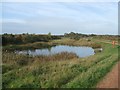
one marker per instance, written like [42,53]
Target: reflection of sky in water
[80,51]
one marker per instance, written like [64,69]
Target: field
[63,70]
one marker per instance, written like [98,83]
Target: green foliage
[31,46]
[26,38]
[49,35]
[75,36]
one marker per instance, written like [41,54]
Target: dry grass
[81,42]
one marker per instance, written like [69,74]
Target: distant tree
[49,35]
[92,35]
[18,39]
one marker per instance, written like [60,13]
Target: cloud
[19,21]
[58,18]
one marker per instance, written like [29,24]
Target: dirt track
[111,79]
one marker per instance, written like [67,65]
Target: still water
[80,51]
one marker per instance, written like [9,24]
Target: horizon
[58,18]
[60,34]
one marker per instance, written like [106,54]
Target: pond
[79,51]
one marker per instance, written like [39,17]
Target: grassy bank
[35,45]
[63,70]
[64,41]
[81,42]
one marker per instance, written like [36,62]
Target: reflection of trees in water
[27,52]
[49,49]
[31,51]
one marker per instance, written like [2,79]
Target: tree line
[27,38]
[30,38]
[75,36]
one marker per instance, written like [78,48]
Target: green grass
[63,70]
[80,42]
[35,45]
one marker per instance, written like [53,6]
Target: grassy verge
[64,41]
[80,42]
[63,70]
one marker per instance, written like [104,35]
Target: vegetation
[78,36]
[80,42]
[63,41]
[62,70]
[31,46]
[26,38]
[75,36]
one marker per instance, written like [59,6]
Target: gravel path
[111,79]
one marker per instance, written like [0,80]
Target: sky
[59,17]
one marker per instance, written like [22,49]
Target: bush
[22,62]
[95,45]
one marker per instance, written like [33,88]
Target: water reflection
[80,51]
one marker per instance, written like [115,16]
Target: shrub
[22,62]
[95,45]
